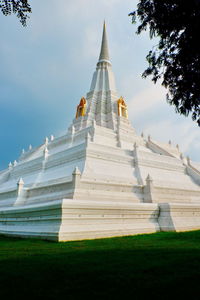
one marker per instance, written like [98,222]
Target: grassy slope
[156,265]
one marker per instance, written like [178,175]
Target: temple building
[100,179]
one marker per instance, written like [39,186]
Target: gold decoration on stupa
[122,108]
[81,108]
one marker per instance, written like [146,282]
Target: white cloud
[146,99]
[151,114]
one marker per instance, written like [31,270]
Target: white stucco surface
[100,178]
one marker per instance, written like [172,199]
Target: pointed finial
[45,152]
[15,163]
[76,171]
[142,134]
[104,54]
[149,138]
[46,140]
[20,186]
[30,147]
[51,137]
[20,181]
[10,165]
[149,178]
[72,129]
[177,146]
[23,151]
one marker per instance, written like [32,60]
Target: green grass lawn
[155,265]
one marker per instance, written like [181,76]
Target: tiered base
[69,220]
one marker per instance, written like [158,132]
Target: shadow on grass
[158,265]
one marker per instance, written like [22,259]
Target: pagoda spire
[104,54]
[103,79]
[102,105]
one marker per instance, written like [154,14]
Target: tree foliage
[176,57]
[19,7]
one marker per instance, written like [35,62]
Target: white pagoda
[100,179]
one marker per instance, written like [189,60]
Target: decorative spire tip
[104,54]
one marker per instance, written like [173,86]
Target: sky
[47,67]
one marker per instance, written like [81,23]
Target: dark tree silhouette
[176,57]
[19,7]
